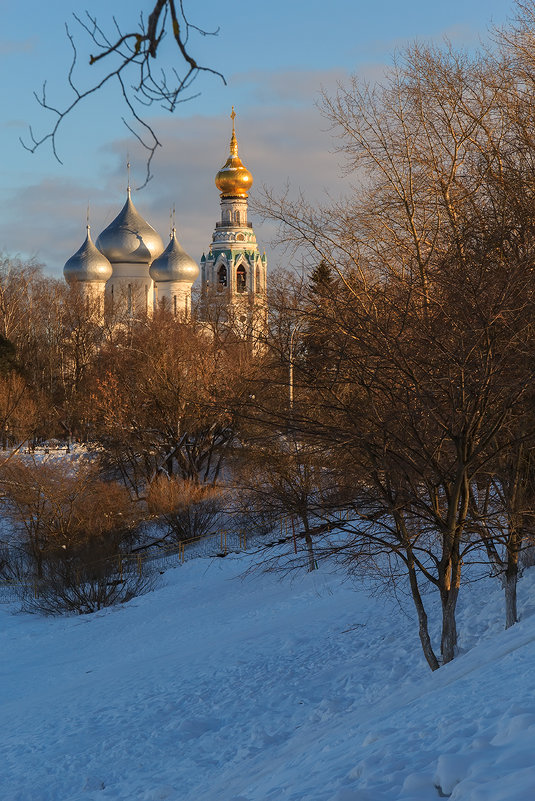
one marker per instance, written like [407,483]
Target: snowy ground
[214,688]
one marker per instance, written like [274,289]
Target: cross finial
[128,173]
[87,218]
[233,140]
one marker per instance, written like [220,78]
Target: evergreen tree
[8,360]
[318,338]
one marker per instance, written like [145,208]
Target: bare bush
[190,510]
[72,529]
[83,588]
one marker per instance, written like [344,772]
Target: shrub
[190,510]
[72,527]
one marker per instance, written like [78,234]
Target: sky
[276,57]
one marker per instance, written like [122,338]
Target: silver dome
[87,264]
[174,264]
[129,238]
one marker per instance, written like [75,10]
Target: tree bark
[423,627]
[448,642]
[510,581]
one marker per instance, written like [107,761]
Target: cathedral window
[241,279]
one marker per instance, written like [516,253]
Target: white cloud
[282,144]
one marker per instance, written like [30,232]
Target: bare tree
[167,398]
[427,382]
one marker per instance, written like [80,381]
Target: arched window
[222,275]
[258,280]
[241,279]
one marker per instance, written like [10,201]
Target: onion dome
[87,264]
[174,264]
[233,179]
[129,238]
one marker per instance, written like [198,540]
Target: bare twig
[127,53]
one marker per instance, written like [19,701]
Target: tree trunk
[310,548]
[448,642]
[510,581]
[39,562]
[423,628]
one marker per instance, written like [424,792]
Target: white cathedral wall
[175,296]
[131,289]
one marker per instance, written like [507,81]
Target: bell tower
[233,275]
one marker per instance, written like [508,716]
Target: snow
[216,687]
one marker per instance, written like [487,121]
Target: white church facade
[128,269]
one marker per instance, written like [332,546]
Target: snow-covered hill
[215,688]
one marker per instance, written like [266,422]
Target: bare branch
[129,54]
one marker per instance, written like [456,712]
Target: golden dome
[233,179]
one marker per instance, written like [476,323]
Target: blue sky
[276,57]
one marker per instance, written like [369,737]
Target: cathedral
[128,269]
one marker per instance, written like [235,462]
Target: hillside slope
[217,688]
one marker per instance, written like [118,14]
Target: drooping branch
[131,58]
